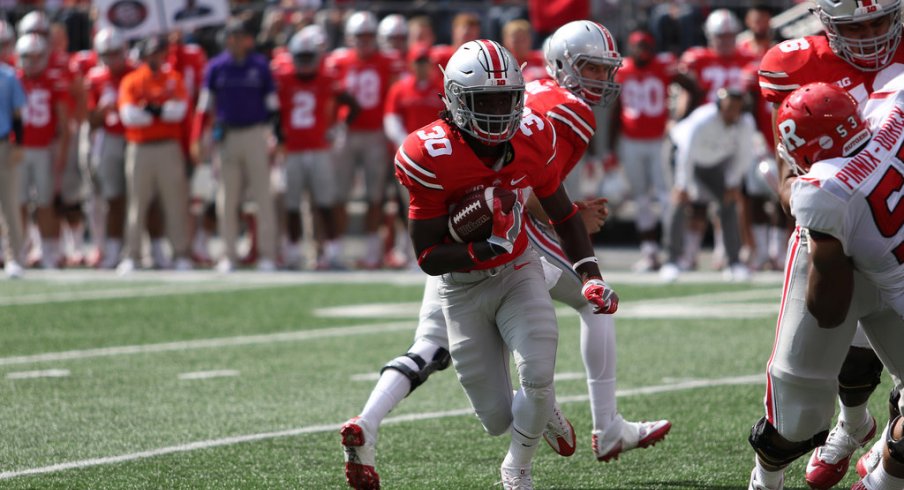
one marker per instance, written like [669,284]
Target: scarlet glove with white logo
[506,226]
[601,296]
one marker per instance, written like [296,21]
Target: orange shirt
[142,87]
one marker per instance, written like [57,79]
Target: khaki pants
[9,202]
[156,169]
[243,162]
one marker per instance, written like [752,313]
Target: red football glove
[506,226]
[601,296]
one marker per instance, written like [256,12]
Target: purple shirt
[240,90]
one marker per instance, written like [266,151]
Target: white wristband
[583,261]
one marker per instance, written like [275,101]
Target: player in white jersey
[834,211]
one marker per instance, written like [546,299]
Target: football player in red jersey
[583,60]
[720,64]
[392,37]
[109,157]
[45,117]
[636,131]
[858,53]
[517,37]
[465,27]
[307,99]
[493,292]
[366,74]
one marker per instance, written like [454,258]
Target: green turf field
[199,382]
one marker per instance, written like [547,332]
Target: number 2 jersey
[438,167]
[859,200]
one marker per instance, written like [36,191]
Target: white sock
[771,479]
[854,418]
[391,388]
[50,252]
[199,244]
[525,440]
[157,254]
[692,241]
[598,353]
[77,232]
[112,247]
[649,248]
[778,238]
[332,249]
[879,479]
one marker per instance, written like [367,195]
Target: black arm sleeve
[18,129]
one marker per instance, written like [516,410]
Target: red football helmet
[816,122]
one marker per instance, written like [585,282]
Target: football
[471,218]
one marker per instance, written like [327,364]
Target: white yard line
[210,343]
[123,293]
[314,429]
[46,373]
[217,373]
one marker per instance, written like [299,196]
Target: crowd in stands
[135,153]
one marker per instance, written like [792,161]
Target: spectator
[240,96]
[420,31]
[152,104]
[757,20]
[548,15]
[12,102]
[465,27]
[711,156]
[637,128]
[367,75]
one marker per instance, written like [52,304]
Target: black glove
[154,109]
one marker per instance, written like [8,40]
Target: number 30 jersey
[860,201]
[438,167]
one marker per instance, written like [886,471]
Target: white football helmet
[108,40]
[392,33]
[360,23]
[571,48]
[869,54]
[34,22]
[721,29]
[307,47]
[484,91]
[31,53]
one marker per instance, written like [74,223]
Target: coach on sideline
[12,100]
[240,95]
[152,105]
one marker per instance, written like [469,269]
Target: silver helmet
[575,45]
[867,54]
[392,32]
[307,47]
[484,91]
[32,53]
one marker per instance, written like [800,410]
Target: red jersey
[39,116]
[644,96]
[797,62]
[368,81]
[713,72]
[572,118]
[534,67]
[439,55]
[438,167]
[82,62]
[189,61]
[417,103]
[281,59]
[103,90]
[306,109]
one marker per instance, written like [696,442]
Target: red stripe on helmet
[494,57]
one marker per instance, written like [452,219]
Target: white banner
[138,19]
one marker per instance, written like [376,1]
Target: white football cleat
[13,270]
[758,485]
[517,478]
[125,267]
[829,463]
[359,443]
[182,265]
[623,436]
[224,266]
[871,459]
[266,265]
[559,433]
[669,272]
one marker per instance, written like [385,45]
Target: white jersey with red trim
[860,201]
[573,119]
[438,167]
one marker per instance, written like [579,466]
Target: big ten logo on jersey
[302,116]
[644,97]
[718,77]
[365,86]
[37,108]
[435,142]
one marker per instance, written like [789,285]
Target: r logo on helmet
[788,131]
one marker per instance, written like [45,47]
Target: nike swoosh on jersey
[519,179]
[518,267]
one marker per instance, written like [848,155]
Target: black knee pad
[894,398]
[860,375]
[441,360]
[895,447]
[775,450]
